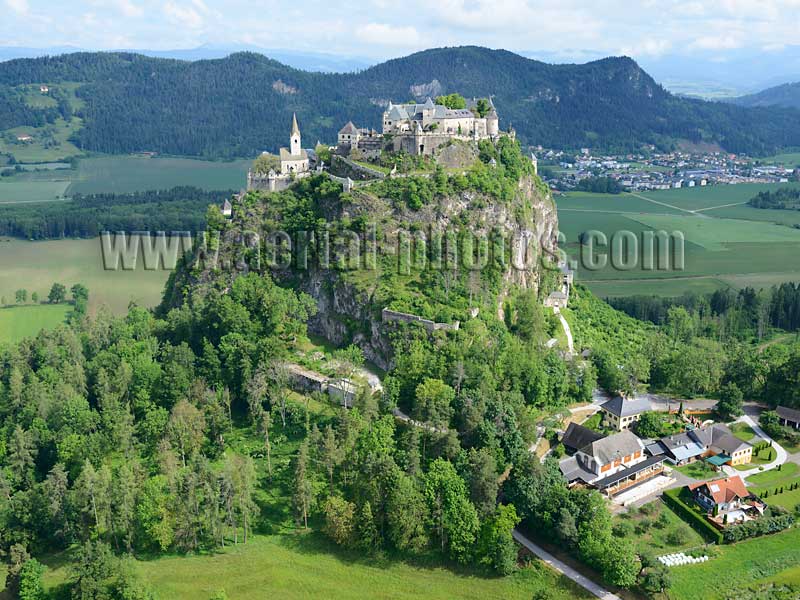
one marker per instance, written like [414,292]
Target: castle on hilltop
[294,164]
[419,129]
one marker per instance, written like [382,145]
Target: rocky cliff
[350,298]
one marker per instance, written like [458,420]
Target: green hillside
[241,105]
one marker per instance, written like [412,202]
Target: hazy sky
[385,28]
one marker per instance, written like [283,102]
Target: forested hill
[242,104]
[787,95]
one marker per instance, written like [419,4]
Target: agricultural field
[124,174]
[727,244]
[35,266]
[771,558]
[18,322]
[121,174]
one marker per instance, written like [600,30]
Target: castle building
[294,163]
[420,129]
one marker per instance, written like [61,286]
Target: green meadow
[18,322]
[302,566]
[35,266]
[727,244]
[738,567]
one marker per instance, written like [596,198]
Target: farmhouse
[620,413]
[788,417]
[612,464]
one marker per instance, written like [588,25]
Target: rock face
[349,307]
[350,302]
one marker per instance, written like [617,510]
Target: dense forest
[179,209]
[782,198]
[241,105]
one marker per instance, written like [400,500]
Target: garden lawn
[699,469]
[743,431]
[774,477]
[656,527]
[736,565]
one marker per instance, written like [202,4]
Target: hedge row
[697,521]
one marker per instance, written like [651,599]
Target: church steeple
[295,146]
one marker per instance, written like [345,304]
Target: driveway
[781,456]
[564,568]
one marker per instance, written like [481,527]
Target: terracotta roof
[724,490]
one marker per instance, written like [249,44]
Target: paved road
[565,569]
[781,456]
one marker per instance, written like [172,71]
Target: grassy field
[35,266]
[738,565]
[299,567]
[727,244]
[18,322]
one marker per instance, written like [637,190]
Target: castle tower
[294,146]
[492,122]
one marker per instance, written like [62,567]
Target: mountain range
[242,104]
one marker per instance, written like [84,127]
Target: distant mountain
[786,95]
[242,104]
[308,61]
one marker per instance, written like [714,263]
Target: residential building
[620,413]
[727,501]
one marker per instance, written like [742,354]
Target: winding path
[567,330]
[564,568]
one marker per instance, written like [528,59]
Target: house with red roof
[727,501]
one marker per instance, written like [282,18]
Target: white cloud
[129,8]
[19,7]
[184,15]
[388,35]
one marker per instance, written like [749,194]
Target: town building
[620,413]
